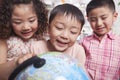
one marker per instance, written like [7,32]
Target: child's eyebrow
[19,18]
[59,22]
[33,17]
[75,27]
[98,16]
[16,19]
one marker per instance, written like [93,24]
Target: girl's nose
[26,26]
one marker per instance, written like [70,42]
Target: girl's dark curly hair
[6,9]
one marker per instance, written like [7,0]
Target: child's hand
[25,57]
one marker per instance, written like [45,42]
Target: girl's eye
[32,20]
[17,22]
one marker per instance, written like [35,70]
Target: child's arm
[3,51]
[5,67]
[24,57]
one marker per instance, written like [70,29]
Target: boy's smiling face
[64,30]
[101,20]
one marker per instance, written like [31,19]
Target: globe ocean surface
[57,67]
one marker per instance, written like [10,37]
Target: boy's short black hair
[100,3]
[67,9]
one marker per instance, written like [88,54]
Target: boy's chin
[60,49]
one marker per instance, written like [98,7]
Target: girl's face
[101,20]
[24,21]
[63,31]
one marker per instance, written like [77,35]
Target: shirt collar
[109,35]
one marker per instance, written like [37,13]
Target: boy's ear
[80,33]
[115,15]
[48,29]
[87,18]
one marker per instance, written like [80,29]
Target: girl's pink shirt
[17,47]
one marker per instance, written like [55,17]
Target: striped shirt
[103,56]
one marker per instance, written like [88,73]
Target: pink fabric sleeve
[39,47]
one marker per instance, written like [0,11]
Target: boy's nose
[99,22]
[65,34]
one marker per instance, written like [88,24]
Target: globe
[55,66]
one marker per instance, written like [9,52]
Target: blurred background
[81,4]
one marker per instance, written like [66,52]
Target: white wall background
[116,26]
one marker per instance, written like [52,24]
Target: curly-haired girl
[21,22]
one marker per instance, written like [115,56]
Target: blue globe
[57,66]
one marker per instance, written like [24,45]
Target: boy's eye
[74,32]
[92,19]
[59,28]
[103,18]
